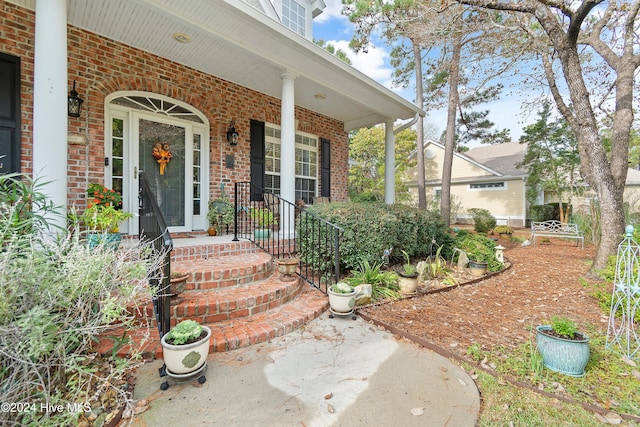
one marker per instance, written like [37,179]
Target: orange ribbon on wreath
[162,155]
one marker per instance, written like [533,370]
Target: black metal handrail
[153,230]
[293,229]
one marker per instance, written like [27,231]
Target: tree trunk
[595,168]
[422,198]
[450,137]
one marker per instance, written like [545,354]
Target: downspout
[390,159]
[406,125]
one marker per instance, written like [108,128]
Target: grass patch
[504,404]
[609,383]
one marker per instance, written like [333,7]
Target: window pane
[117,149]
[116,128]
[117,167]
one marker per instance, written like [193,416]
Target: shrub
[502,229]
[57,295]
[479,248]
[23,209]
[369,229]
[482,219]
[541,213]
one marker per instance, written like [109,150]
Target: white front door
[170,146]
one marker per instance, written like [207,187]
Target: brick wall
[102,66]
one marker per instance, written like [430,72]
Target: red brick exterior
[101,66]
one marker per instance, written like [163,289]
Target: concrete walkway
[332,372]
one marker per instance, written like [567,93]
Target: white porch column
[389,163]
[288,149]
[288,138]
[50,102]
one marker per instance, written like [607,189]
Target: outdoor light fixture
[232,135]
[74,102]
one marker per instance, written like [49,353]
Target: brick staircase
[236,290]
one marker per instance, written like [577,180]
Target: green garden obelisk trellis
[622,335]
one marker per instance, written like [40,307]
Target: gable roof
[500,157]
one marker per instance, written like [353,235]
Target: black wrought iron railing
[153,230]
[284,229]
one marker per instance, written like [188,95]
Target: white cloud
[333,10]
[371,63]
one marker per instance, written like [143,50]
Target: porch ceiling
[232,40]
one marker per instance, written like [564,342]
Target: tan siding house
[484,177]
[487,177]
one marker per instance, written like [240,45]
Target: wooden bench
[554,228]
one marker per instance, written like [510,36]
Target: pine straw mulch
[543,281]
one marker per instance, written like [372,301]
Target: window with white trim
[294,16]
[488,186]
[306,166]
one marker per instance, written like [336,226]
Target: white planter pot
[183,359]
[342,303]
[408,284]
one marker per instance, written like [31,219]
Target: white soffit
[232,40]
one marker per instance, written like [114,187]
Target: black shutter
[325,170]
[9,114]
[257,159]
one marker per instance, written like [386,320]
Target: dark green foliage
[547,212]
[541,213]
[370,228]
[482,219]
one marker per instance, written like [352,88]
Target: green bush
[483,220]
[369,229]
[479,248]
[541,213]
[57,296]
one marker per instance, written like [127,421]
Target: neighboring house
[487,177]
[484,177]
[179,76]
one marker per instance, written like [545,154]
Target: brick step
[236,333]
[222,304]
[212,250]
[225,271]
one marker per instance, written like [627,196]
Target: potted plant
[185,347]
[178,282]
[481,253]
[221,212]
[408,276]
[288,267]
[342,298]
[102,223]
[562,347]
[263,219]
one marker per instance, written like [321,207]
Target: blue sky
[334,28]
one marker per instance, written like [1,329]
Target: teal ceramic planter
[110,240]
[261,233]
[568,357]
